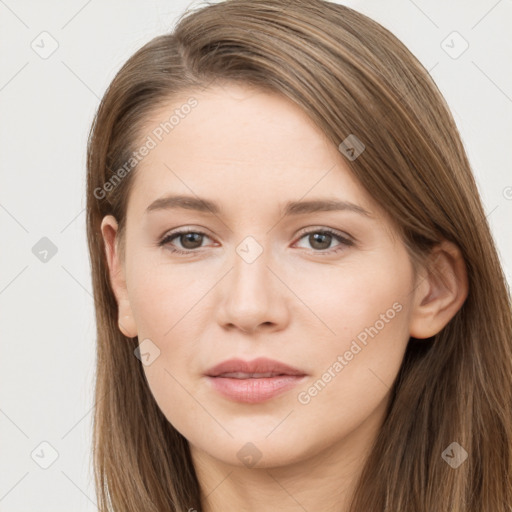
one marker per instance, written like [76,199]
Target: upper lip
[256,366]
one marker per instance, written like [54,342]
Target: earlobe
[441,291]
[126,321]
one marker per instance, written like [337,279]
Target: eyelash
[171,236]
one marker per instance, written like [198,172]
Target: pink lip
[253,389]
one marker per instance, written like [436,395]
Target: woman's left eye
[320,239]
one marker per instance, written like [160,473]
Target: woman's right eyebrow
[290,208]
[186,202]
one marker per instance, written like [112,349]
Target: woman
[299,302]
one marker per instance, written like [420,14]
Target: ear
[126,321]
[440,291]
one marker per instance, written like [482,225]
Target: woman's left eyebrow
[289,208]
[322,205]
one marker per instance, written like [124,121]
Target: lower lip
[254,390]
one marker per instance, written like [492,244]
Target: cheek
[164,297]
[347,299]
[169,308]
[357,359]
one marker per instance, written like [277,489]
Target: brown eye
[188,240]
[320,241]
[191,240]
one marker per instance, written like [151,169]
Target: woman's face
[269,272]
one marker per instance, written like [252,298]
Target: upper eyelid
[183,231]
[332,231]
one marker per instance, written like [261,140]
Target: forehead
[238,121]
[240,142]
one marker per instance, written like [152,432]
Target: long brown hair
[350,76]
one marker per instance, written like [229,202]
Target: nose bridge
[252,258]
[252,296]
[250,276]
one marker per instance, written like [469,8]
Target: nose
[253,296]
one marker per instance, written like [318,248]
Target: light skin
[299,301]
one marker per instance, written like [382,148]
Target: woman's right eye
[188,240]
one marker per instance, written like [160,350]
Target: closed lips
[253,382]
[243,375]
[259,368]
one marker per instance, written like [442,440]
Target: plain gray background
[47,103]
